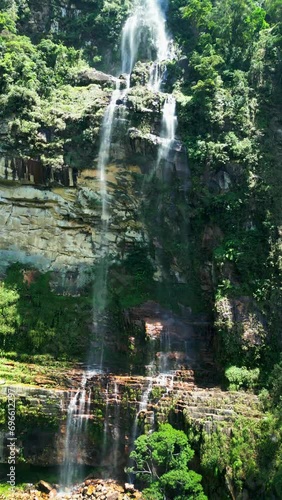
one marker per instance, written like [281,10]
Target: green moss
[30,416]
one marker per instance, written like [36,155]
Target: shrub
[241,377]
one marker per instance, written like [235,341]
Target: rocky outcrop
[59,229]
[44,230]
[42,424]
[242,321]
[35,173]
[91,489]
[91,75]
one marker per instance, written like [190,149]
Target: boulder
[129,487]
[44,487]
[91,75]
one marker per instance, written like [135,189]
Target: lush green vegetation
[160,462]
[34,320]
[229,93]
[248,457]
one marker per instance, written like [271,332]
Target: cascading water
[142,407]
[116,428]
[104,152]
[130,41]
[111,429]
[145,30]
[106,425]
[147,26]
[77,419]
[78,410]
[166,375]
[165,351]
[148,22]
[100,286]
[143,404]
[169,123]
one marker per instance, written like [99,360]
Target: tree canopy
[161,462]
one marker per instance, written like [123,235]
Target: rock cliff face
[52,213]
[116,403]
[79,24]
[58,229]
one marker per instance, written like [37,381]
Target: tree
[9,317]
[276,386]
[160,461]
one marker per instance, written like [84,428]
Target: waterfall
[141,407]
[104,151]
[169,122]
[116,428]
[106,425]
[148,21]
[165,350]
[100,285]
[78,410]
[130,41]
[146,26]
[144,30]
[166,380]
[77,419]
[111,427]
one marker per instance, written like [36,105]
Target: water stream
[77,419]
[169,123]
[144,34]
[100,284]
[142,407]
[116,429]
[105,426]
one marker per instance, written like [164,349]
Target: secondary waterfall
[169,122]
[78,409]
[142,407]
[100,285]
[104,150]
[116,429]
[77,418]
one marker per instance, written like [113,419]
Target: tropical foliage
[161,461]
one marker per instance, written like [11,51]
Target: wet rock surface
[91,489]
